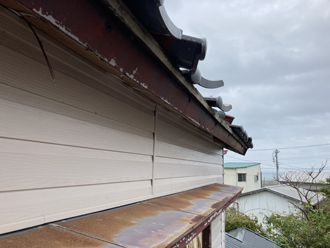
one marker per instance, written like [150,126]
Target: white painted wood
[20,209]
[22,122]
[168,168]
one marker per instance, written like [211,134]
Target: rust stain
[188,203]
[138,225]
[51,237]
[216,192]
[222,203]
[160,222]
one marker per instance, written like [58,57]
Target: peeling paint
[144,85]
[166,101]
[112,62]
[59,25]
[130,76]
[197,123]
[135,70]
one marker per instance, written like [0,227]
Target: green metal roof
[240,165]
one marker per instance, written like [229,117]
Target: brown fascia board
[110,37]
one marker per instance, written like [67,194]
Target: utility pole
[276,157]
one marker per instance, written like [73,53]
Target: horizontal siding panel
[168,168]
[173,142]
[22,122]
[171,150]
[21,209]
[174,185]
[35,78]
[67,62]
[31,171]
[25,98]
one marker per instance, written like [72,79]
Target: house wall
[264,203]
[86,142]
[231,177]
[309,186]
[252,184]
[218,233]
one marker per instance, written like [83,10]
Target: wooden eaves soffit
[137,42]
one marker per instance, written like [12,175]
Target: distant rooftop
[289,192]
[240,165]
[244,238]
[304,177]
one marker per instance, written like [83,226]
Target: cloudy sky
[274,57]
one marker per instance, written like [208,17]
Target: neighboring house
[246,175]
[273,199]
[245,238]
[305,180]
[104,141]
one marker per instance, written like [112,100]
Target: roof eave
[144,66]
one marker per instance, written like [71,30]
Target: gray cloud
[274,57]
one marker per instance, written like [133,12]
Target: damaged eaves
[243,135]
[185,51]
[90,23]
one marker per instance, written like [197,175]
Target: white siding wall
[218,232]
[251,172]
[231,177]
[264,203]
[86,141]
[184,157]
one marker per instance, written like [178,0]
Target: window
[241,177]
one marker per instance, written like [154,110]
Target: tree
[325,204]
[235,219]
[310,227]
[295,230]
[306,195]
[326,188]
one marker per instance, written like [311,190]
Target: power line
[314,158]
[292,147]
[305,157]
[298,169]
[273,166]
